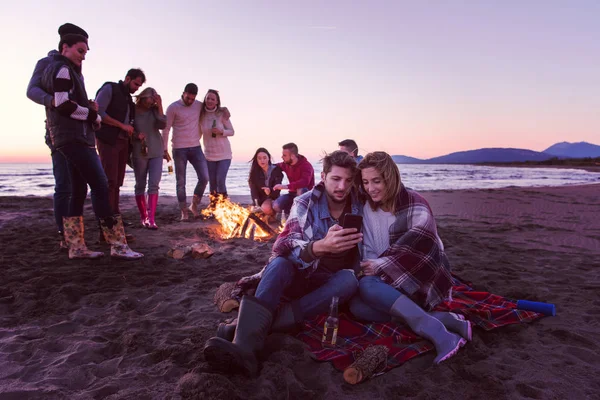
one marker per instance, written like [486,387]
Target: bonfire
[238,221]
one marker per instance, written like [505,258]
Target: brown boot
[194,207]
[185,216]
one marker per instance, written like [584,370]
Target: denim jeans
[195,156]
[217,173]
[62,187]
[285,201]
[85,169]
[147,169]
[374,300]
[310,296]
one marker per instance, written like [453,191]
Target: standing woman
[71,124]
[263,176]
[148,152]
[216,128]
[404,262]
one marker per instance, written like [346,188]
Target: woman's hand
[216,131]
[279,186]
[93,105]
[166,156]
[369,267]
[141,136]
[157,100]
[266,190]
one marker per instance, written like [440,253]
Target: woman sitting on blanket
[404,256]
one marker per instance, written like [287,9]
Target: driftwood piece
[179,251]
[201,250]
[371,361]
[223,299]
[197,250]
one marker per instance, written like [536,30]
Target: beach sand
[108,329]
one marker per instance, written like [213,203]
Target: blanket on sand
[485,310]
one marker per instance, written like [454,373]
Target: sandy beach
[109,329]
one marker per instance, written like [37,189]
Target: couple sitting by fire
[265,179]
[404,272]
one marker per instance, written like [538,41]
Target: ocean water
[37,179]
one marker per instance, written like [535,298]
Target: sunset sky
[419,78]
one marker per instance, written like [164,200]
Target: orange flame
[234,219]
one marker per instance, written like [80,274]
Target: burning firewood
[237,221]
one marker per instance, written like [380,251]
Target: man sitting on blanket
[312,260]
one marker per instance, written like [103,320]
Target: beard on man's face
[335,199]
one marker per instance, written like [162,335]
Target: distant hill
[574,150]
[479,156]
[407,160]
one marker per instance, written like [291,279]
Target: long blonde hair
[385,165]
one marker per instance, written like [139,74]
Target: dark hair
[385,165]
[291,147]
[216,93]
[70,40]
[351,144]
[338,158]
[135,73]
[254,166]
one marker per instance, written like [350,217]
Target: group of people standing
[123,132]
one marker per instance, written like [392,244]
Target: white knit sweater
[185,123]
[216,148]
[376,231]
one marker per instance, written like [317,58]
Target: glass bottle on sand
[332,323]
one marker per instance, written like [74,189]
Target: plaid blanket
[416,262]
[485,310]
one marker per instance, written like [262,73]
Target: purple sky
[419,78]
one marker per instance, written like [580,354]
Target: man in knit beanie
[60,168]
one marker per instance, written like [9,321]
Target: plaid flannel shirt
[309,220]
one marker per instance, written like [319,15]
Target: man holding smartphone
[312,261]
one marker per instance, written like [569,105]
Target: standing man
[311,262]
[350,147]
[60,166]
[300,174]
[184,117]
[118,112]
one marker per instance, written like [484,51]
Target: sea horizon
[27,179]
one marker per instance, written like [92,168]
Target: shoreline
[115,329]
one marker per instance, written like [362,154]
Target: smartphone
[352,221]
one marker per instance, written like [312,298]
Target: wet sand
[109,329]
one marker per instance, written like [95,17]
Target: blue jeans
[85,169]
[217,173]
[311,296]
[374,300]
[62,187]
[195,156]
[285,201]
[149,169]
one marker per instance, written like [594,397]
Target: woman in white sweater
[215,129]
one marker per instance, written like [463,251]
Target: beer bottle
[214,125]
[144,148]
[332,323]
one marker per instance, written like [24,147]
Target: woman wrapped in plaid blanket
[404,256]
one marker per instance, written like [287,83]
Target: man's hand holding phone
[337,241]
